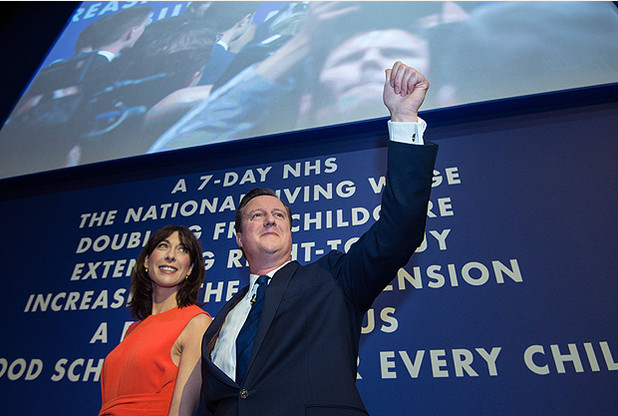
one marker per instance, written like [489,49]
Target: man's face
[354,71]
[266,233]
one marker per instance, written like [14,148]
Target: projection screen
[129,78]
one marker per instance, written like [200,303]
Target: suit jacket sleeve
[372,262]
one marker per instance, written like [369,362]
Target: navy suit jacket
[304,360]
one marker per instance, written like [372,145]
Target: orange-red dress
[138,376]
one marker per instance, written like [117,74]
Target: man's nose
[269,220]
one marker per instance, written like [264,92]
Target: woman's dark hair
[166,58]
[174,45]
[141,285]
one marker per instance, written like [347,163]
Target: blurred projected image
[130,78]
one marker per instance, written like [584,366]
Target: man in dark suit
[304,355]
[56,106]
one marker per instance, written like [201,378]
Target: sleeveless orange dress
[138,376]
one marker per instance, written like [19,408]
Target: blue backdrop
[508,307]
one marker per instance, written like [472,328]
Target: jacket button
[244,394]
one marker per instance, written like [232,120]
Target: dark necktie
[246,336]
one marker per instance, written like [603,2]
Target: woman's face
[169,263]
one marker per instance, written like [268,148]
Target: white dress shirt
[224,352]
[411,133]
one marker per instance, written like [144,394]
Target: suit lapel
[272,299]
[212,333]
[210,336]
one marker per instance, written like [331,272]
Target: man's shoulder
[325,262]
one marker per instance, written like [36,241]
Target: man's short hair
[255,192]
[113,27]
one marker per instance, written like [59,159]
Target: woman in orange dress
[156,370]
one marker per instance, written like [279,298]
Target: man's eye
[256,215]
[279,215]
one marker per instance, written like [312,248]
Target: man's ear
[239,239]
[128,35]
[132,33]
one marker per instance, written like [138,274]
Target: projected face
[354,71]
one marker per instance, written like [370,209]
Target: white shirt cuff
[409,133]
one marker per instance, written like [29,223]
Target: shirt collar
[224,45]
[109,55]
[253,277]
